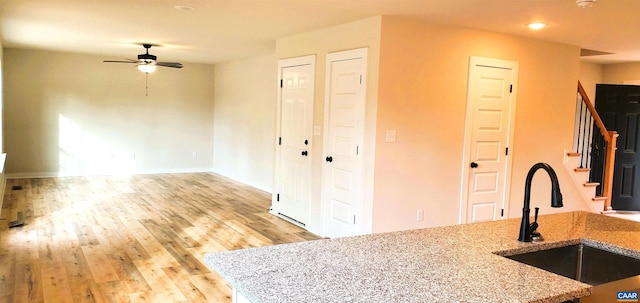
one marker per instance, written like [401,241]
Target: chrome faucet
[528,230]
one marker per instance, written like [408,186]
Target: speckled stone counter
[461,263]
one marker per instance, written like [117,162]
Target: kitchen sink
[582,262]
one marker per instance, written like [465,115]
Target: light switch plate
[390,136]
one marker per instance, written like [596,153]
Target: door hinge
[277,197]
[354,219]
[357,150]
[279,140]
[511,88]
[502,213]
[280,82]
[360,79]
[506,152]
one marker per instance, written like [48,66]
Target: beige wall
[244,120]
[1,101]
[71,114]
[590,75]
[422,95]
[359,34]
[622,73]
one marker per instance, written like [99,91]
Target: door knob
[474,164]
[329,159]
[304,153]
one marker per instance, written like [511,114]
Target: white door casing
[292,195]
[489,127]
[343,141]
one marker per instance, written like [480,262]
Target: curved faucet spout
[556,198]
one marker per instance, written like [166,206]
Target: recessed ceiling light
[536,26]
[184,8]
[585,3]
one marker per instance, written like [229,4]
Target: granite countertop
[460,263]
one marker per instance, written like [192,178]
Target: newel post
[607,185]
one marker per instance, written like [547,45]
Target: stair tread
[582,169]
[573,154]
[591,184]
[599,198]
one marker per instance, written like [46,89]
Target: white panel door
[490,107]
[293,175]
[344,125]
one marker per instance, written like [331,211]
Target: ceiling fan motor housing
[147,57]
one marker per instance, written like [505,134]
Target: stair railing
[588,145]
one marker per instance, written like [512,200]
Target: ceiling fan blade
[121,61]
[170,64]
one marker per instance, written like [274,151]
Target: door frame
[284,63]
[360,221]
[466,155]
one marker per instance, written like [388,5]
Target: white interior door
[293,163]
[489,129]
[344,127]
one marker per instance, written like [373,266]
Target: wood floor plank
[28,282]
[99,264]
[81,280]
[162,288]
[113,291]
[29,249]
[182,282]
[128,273]
[85,234]
[55,285]
[7,271]
[131,238]
[171,243]
[212,286]
[153,248]
[86,291]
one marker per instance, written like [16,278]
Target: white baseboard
[138,172]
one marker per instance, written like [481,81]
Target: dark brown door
[619,107]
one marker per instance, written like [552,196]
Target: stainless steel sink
[582,262]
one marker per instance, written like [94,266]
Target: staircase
[580,175]
[592,140]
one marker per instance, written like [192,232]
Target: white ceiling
[223,30]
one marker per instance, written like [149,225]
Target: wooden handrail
[594,113]
[611,138]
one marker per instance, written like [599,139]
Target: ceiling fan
[146,62]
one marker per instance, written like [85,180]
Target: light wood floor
[129,239]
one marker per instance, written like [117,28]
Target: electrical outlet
[420,215]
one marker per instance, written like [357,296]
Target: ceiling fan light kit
[585,3]
[150,67]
